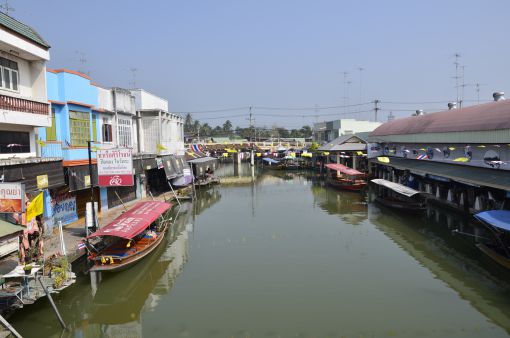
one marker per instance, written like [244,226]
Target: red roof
[134,221]
[488,116]
[343,169]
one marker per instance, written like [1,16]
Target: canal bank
[287,256]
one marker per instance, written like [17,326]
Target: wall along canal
[288,257]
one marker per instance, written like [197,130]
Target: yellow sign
[86,180]
[326,153]
[461,159]
[383,159]
[225,154]
[258,154]
[359,153]
[35,207]
[42,181]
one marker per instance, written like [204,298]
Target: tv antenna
[132,83]
[6,8]
[360,69]
[83,61]
[457,77]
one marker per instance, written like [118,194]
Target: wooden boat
[498,224]
[400,197]
[349,179]
[130,237]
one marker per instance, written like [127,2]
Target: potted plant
[28,269]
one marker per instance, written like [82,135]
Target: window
[79,123]
[8,74]
[124,131]
[107,130]
[14,142]
[51,131]
[94,128]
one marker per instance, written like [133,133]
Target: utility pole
[346,74]
[94,227]
[361,69]
[376,108]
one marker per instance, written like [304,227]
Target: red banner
[115,167]
[116,180]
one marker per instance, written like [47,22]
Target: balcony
[52,149]
[23,105]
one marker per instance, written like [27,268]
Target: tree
[196,126]
[227,127]
[306,131]
[188,123]
[205,130]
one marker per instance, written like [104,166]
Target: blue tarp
[270,160]
[497,218]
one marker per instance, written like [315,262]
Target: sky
[217,58]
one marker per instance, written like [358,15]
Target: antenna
[457,77]
[345,98]
[6,8]
[83,61]
[132,83]
[252,122]
[360,69]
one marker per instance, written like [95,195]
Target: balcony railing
[52,149]
[23,105]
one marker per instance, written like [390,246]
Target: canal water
[282,255]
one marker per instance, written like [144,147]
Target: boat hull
[347,186]
[401,205]
[494,255]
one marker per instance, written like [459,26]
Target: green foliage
[59,272]
[314,146]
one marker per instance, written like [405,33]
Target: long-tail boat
[400,197]
[130,237]
[498,223]
[342,177]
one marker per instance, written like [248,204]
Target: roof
[498,179]
[345,143]
[396,187]
[270,160]
[22,29]
[483,117]
[203,160]
[7,228]
[343,169]
[134,221]
[497,218]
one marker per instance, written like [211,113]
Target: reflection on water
[288,257]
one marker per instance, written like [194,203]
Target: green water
[287,257]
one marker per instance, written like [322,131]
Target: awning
[8,229]
[76,176]
[497,218]
[343,169]
[345,147]
[134,221]
[495,178]
[27,173]
[168,165]
[398,188]
[270,160]
[201,164]
[178,164]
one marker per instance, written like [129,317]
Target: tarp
[134,221]
[270,160]
[399,188]
[497,218]
[343,169]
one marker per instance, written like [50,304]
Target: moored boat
[498,223]
[345,178]
[130,237]
[400,197]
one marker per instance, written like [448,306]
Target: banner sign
[115,167]
[42,181]
[64,208]
[12,197]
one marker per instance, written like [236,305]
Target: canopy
[270,160]
[399,188]
[133,221]
[497,218]
[343,169]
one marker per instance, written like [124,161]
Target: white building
[23,98]
[159,131]
[324,132]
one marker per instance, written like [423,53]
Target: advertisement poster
[115,167]
[64,208]
[12,197]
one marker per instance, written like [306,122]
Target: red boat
[130,237]
[345,178]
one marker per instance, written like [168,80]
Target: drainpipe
[160,126]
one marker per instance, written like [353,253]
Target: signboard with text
[64,208]
[115,167]
[12,197]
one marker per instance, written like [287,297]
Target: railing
[23,105]
[52,149]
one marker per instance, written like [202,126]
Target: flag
[383,159]
[481,146]
[451,148]
[80,246]
[461,159]
[160,147]
[359,153]
[35,207]
[41,143]
[421,157]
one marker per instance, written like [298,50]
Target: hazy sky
[217,54]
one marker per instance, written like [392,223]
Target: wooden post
[52,304]
[9,327]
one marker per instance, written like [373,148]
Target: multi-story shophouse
[324,132]
[461,157]
[24,108]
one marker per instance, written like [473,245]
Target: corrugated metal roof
[473,175]
[345,143]
[7,228]
[483,117]
[22,29]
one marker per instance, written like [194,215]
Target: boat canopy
[343,169]
[399,188]
[497,218]
[270,160]
[133,221]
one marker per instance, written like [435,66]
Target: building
[349,150]
[24,108]
[460,156]
[324,132]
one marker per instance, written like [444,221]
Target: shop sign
[42,181]
[12,197]
[86,180]
[64,208]
[115,167]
